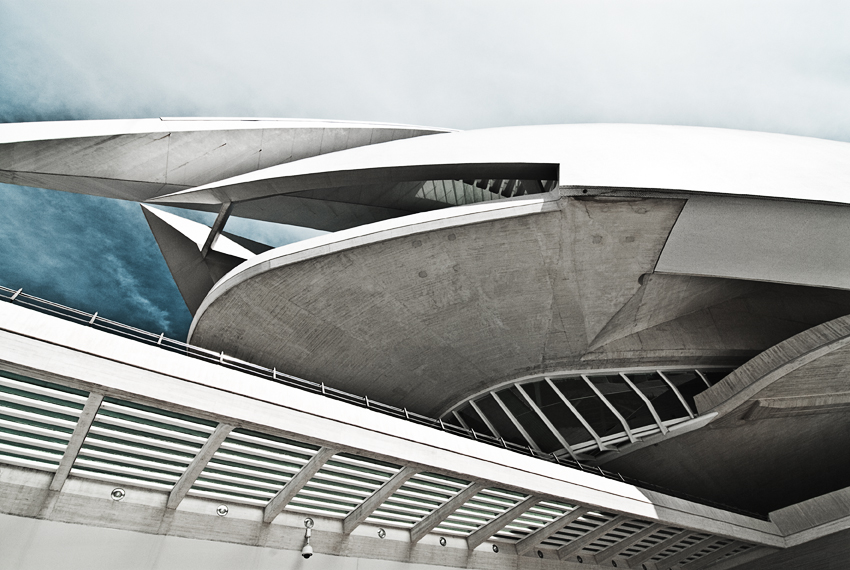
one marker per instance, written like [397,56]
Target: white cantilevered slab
[601,156]
[528,542]
[87,358]
[433,519]
[78,436]
[373,501]
[480,535]
[297,483]
[196,467]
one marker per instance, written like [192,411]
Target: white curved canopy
[652,157]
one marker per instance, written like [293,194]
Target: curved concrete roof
[141,159]
[654,157]
[426,310]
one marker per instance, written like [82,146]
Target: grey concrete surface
[764,240]
[439,307]
[783,416]
[421,321]
[138,160]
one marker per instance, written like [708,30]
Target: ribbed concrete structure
[668,303]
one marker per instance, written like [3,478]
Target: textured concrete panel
[764,240]
[423,320]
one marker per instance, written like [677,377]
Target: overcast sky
[771,66]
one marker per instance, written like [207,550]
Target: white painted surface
[693,159]
[50,130]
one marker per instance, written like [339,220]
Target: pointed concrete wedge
[180,241]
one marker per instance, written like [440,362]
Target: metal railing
[126,331]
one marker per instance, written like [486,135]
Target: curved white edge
[372,233]
[655,157]
[50,130]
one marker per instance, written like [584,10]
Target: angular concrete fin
[663,298]
[180,241]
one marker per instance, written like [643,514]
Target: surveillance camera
[307,551]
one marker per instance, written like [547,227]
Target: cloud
[765,65]
[89,253]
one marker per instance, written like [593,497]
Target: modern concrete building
[571,346]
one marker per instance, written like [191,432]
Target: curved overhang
[141,159]
[425,311]
[586,156]
[62,130]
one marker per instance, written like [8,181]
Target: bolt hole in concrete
[423,274]
[452,237]
[579,559]
[417,243]
[117,494]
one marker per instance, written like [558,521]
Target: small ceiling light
[382,533]
[442,541]
[221,510]
[495,548]
[117,494]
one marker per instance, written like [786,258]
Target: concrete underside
[82,528]
[779,440]
[428,319]
[827,553]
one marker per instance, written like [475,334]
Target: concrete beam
[78,436]
[441,513]
[479,536]
[371,504]
[588,537]
[640,557]
[217,227]
[713,557]
[674,559]
[182,486]
[606,554]
[530,541]
[298,481]
[744,558]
